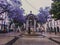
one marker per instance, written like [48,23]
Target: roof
[31,16]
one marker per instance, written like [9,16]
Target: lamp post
[49,23]
[8,26]
[55,25]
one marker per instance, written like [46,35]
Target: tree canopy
[43,15]
[12,7]
[55,9]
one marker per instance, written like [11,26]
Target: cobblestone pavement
[34,40]
[4,40]
[7,37]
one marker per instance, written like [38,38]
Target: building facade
[31,22]
[4,21]
[53,25]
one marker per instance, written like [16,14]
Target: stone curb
[50,38]
[54,40]
[12,41]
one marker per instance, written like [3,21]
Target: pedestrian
[29,31]
[42,30]
[37,30]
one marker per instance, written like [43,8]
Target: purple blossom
[43,15]
[13,9]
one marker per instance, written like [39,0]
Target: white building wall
[6,19]
[51,24]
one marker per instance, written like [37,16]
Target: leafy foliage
[43,15]
[12,7]
[55,10]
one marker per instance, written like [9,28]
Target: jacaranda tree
[14,12]
[43,15]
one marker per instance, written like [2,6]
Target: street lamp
[55,25]
[8,23]
[49,24]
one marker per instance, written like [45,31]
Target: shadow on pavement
[12,41]
[55,40]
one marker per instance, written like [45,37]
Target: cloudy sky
[34,5]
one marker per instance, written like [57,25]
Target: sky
[34,5]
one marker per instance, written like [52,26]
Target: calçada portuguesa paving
[38,39]
[7,37]
[34,40]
